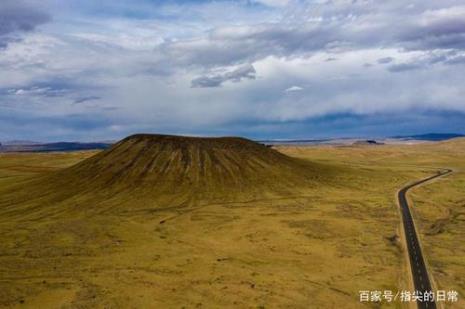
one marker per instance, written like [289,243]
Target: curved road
[419,272]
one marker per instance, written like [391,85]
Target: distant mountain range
[31,146]
[430,136]
[292,141]
[20,146]
[350,140]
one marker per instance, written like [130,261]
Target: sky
[90,70]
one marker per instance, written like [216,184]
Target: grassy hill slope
[203,164]
[150,172]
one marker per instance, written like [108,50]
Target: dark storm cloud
[353,125]
[433,58]
[385,60]
[243,72]
[401,67]
[86,99]
[16,124]
[442,31]
[19,16]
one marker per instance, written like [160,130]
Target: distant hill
[368,142]
[159,171]
[49,147]
[175,161]
[292,141]
[430,136]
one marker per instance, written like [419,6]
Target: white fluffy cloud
[294,89]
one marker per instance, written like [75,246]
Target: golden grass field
[307,246]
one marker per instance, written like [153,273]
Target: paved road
[420,274]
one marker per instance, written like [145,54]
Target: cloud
[232,45]
[456,60]
[437,28]
[138,65]
[385,60]
[84,127]
[294,89]
[401,67]
[274,3]
[341,25]
[38,91]
[19,16]
[86,99]
[429,59]
[243,72]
